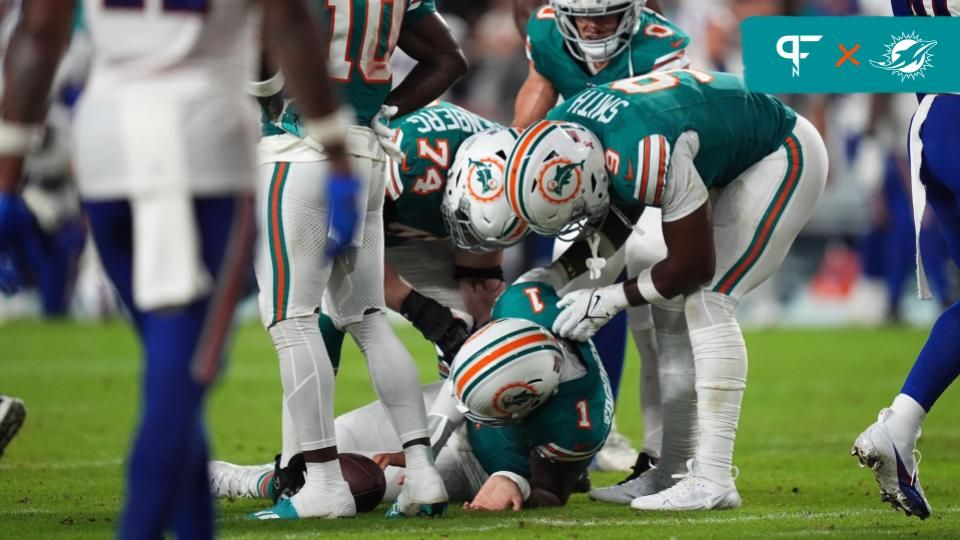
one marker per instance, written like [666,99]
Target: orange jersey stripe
[281,271]
[767,226]
[661,173]
[646,171]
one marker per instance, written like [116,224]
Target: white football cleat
[892,461]
[651,481]
[692,492]
[616,454]
[422,494]
[240,482]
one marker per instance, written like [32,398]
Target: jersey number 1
[190,6]
[583,415]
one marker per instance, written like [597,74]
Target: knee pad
[705,308]
[369,328]
[293,331]
[670,317]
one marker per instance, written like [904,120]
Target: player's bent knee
[368,328]
[294,331]
[705,308]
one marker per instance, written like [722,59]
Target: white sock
[677,389]
[645,340]
[418,455]
[322,478]
[907,417]
[394,375]
[721,365]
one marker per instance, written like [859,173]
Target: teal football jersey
[429,139]
[572,425]
[639,120]
[363,35]
[657,44]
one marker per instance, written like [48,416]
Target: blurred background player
[573,45]
[888,446]
[50,255]
[172,218]
[758,151]
[293,273]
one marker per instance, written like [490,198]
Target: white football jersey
[165,102]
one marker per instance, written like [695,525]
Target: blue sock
[159,470]
[938,364]
[194,514]
[611,344]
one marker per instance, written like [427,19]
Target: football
[366,480]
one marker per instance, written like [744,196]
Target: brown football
[366,480]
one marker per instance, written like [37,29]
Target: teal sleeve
[417,11]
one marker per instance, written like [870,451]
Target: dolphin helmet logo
[907,56]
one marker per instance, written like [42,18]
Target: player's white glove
[583,312]
[381,126]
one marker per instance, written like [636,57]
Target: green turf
[809,394]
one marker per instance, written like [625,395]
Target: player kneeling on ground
[520,418]
[736,174]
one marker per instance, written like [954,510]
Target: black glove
[436,323]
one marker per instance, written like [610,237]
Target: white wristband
[19,139]
[266,88]
[330,129]
[520,481]
[647,289]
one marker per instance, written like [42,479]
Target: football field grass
[809,394]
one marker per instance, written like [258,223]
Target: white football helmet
[475,206]
[557,181]
[505,370]
[606,48]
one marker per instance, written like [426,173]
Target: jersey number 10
[373,67]
[190,6]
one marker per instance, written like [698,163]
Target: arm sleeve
[684,190]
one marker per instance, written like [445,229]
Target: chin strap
[595,263]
